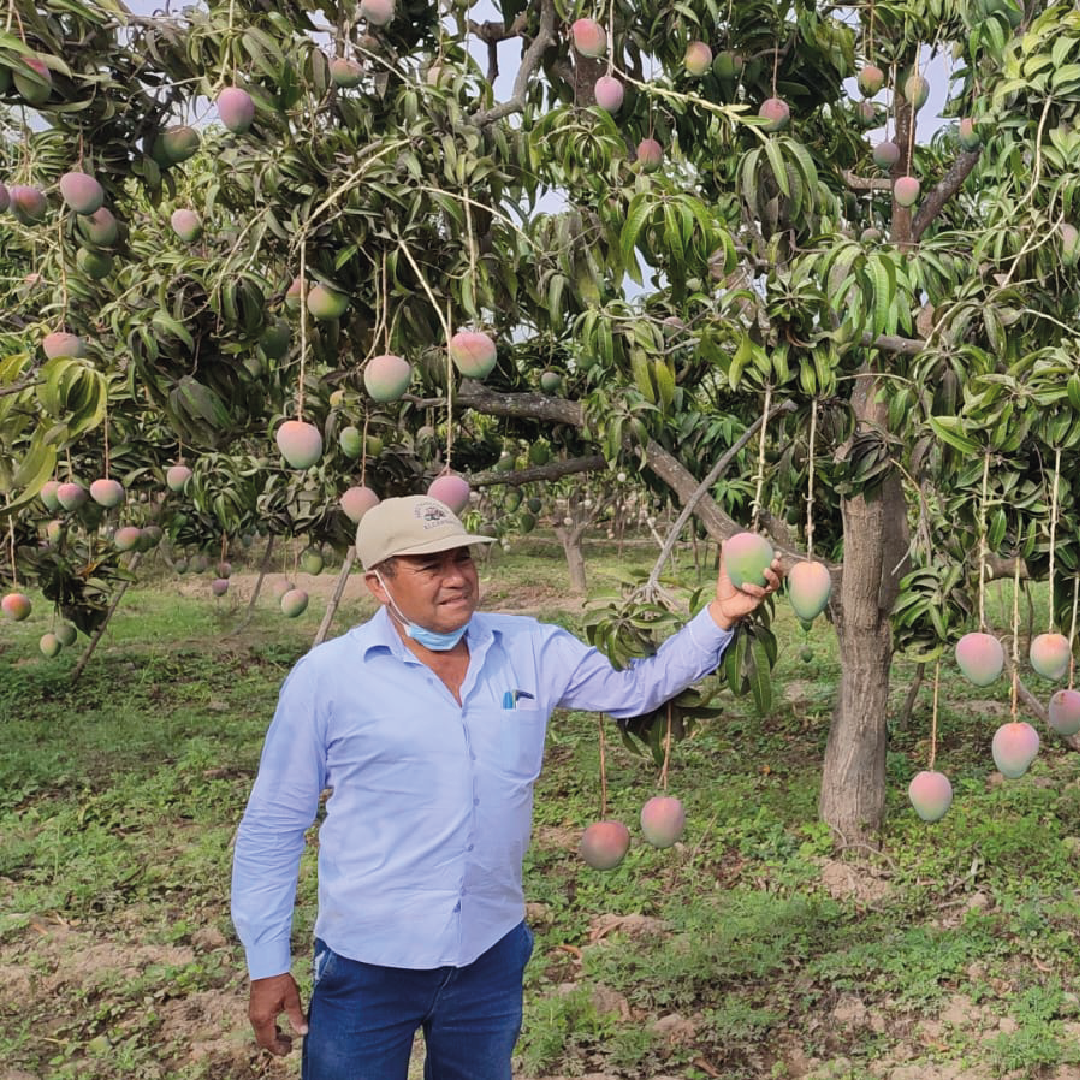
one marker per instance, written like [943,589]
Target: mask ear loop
[393,603]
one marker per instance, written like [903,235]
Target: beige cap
[413,525]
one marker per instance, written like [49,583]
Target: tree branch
[866,183]
[530,61]
[552,471]
[891,343]
[19,387]
[943,191]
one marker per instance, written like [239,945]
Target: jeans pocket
[530,942]
[322,962]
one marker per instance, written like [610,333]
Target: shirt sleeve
[270,840]
[595,685]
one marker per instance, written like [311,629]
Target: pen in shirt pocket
[512,697]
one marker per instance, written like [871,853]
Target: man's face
[438,592]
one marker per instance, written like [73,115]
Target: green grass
[119,798]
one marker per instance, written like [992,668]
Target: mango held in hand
[809,585]
[1050,655]
[980,658]
[662,820]
[1064,712]
[747,556]
[604,844]
[931,794]
[1014,748]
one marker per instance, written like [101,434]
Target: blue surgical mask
[429,639]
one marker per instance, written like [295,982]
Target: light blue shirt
[420,854]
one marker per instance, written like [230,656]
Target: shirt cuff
[269,958]
[706,635]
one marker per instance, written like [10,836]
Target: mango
[662,820]
[186,224]
[473,353]
[81,192]
[28,204]
[589,37]
[48,495]
[550,382]
[326,303]
[350,441]
[386,378]
[1050,655]
[311,561]
[199,564]
[746,557]
[698,58]
[608,92]
[980,658]
[177,144]
[100,228]
[969,134]
[809,586]
[917,91]
[871,80]
[604,844]
[49,645]
[72,495]
[357,501]
[345,73]
[224,569]
[128,538]
[177,476]
[451,489]
[294,603]
[885,154]
[377,12]
[931,794]
[180,565]
[66,633]
[275,339]
[107,493]
[96,265]
[236,108]
[906,191]
[219,586]
[34,83]
[776,112]
[62,344]
[15,606]
[292,293]
[300,443]
[650,154]
[1064,712]
[1014,747]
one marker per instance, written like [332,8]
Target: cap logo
[432,515]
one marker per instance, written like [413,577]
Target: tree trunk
[570,538]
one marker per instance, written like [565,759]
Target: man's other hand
[267,1000]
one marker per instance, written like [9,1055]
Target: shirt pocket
[520,746]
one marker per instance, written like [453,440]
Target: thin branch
[943,191]
[335,600]
[552,471]
[19,387]
[866,183]
[530,62]
[891,343]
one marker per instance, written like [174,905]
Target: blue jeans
[362,1017]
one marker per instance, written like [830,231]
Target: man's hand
[732,604]
[267,999]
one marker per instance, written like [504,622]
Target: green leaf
[950,429]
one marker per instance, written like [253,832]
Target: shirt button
[476,802]
[470,847]
[457,906]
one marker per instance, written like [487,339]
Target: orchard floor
[753,950]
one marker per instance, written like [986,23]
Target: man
[428,723]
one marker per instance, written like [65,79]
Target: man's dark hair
[386,568]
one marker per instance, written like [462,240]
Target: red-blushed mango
[275,339]
[662,820]
[1070,245]
[916,90]
[152,534]
[66,633]
[351,441]
[224,569]
[326,303]
[48,494]
[809,585]
[53,531]
[1063,715]
[357,501]
[776,112]
[377,12]
[107,493]
[980,658]
[746,557]
[608,92]
[186,224]
[236,108]
[199,564]
[28,204]
[698,58]
[871,80]
[59,343]
[100,227]
[1050,655]
[81,192]
[311,561]
[219,586]
[294,603]
[180,565]
[386,377]
[474,354]
[590,38]
[969,134]
[300,443]
[72,495]
[604,844]
[15,606]
[550,382]
[931,794]
[49,645]
[176,477]
[293,292]
[885,154]
[345,73]
[870,235]
[906,190]
[128,538]
[34,82]
[94,264]
[1014,747]
[450,489]
[650,154]
[5,197]
[279,588]
[865,114]
[178,143]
